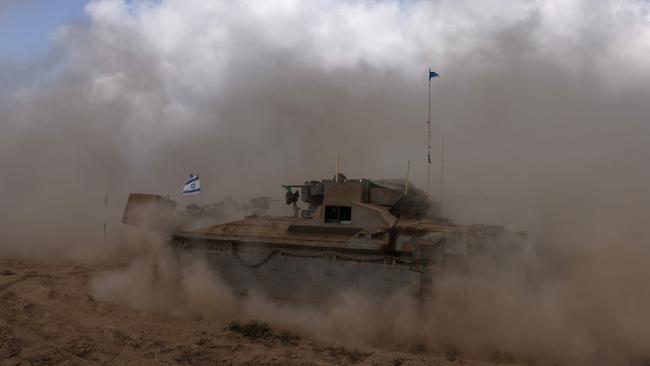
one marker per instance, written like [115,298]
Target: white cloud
[195,41]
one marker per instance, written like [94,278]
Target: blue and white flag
[192,185]
[433,74]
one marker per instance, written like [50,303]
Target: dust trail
[507,313]
[543,106]
[158,280]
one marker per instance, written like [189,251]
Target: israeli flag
[192,185]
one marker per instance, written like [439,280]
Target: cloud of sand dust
[543,106]
[158,280]
[539,101]
[506,312]
[182,284]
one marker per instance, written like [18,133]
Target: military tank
[375,237]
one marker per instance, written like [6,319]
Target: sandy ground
[47,317]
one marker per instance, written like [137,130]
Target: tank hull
[347,246]
[312,275]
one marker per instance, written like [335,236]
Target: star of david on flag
[192,185]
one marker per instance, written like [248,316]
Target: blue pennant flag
[433,74]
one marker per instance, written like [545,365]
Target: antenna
[336,177]
[408,170]
[442,171]
[105,219]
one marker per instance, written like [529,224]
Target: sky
[27,27]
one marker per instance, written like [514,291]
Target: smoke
[543,107]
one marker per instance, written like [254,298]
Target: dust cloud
[157,279]
[512,314]
[182,284]
[543,106]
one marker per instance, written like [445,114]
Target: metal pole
[408,171]
[336,177]
[429,140]
[442,170]
[105,219]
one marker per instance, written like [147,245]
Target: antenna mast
[336,177]
[408,171]
[429,141]
[442,171]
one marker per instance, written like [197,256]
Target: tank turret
[367,204]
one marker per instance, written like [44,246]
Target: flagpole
[429,140]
